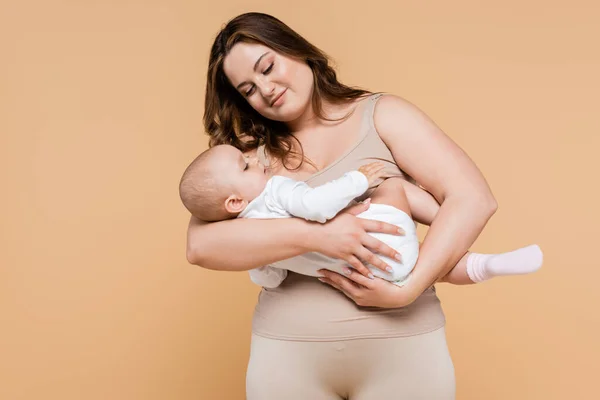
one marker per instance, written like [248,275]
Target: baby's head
[220,183]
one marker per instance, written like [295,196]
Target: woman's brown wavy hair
[229,119]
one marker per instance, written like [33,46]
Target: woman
[274,95]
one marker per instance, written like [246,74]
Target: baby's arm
[323,202]
[314,204]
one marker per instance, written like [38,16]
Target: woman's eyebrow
[258,61]
[255,68]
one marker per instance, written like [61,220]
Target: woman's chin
[284,117]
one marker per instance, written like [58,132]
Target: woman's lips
[278,100]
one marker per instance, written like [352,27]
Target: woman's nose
[267,88]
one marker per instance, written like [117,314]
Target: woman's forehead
[242,59]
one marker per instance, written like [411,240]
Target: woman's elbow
[484,203]
[488,205]
[193,255]
[492,206]
[202,257]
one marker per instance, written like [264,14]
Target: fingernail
[371,276]
[400,230]
[347,271]
[388,269]
[398,256]
[321,279]
[367,201]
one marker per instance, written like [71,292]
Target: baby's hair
[202,194]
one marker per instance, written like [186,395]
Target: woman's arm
[440,166]
[244,244]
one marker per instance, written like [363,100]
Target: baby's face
[247,177]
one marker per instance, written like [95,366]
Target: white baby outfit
[285,198]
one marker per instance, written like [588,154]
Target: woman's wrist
[311,235]
[408,293]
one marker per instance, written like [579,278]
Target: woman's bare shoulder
[392,104]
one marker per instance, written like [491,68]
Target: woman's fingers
[371,225]
[368,257]
[377,246]
[339,282]
[358,266]
[361,280]
[334,285]
[359,245]
[330,282]
[359,208]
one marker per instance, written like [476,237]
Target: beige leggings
[411,368]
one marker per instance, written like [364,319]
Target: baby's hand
[372,171]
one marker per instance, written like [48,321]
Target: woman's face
[278,87]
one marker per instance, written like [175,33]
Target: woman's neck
[309,121]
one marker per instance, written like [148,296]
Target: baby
[220,184]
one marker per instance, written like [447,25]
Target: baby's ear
[235,204]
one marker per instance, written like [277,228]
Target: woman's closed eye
[269,69]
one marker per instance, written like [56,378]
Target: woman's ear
[235,204]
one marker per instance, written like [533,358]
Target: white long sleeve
[320,203]
[284,197]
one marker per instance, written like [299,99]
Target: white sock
[481,267]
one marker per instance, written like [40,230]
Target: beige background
[101,105]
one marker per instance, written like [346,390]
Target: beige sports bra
[302,308]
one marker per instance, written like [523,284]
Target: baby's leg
[423,206]
[475,268]
[392,193]
[472,267]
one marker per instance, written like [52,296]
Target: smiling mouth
[278,97]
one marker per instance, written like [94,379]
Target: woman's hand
[370,292]
[345,237]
